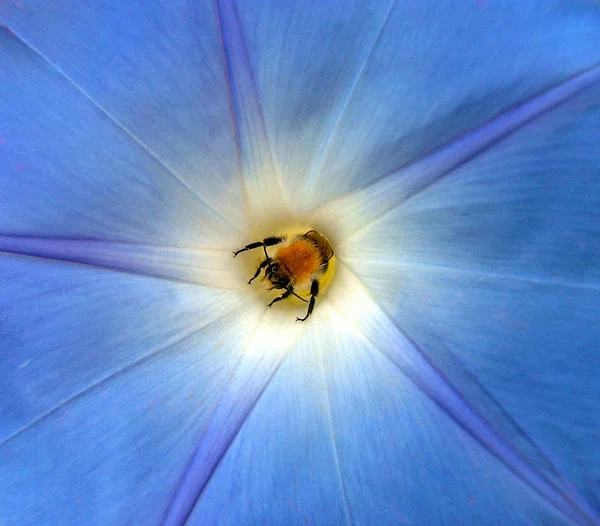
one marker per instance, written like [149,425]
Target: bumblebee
[297,263]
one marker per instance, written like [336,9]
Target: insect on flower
[298,263]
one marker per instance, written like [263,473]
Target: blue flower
[450,371]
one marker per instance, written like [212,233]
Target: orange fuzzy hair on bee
[298,260]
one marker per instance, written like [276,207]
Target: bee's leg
[314,292]
[282,297]
[267,242]
[260,267]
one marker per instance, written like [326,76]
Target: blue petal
[262,186]
[211,268]
[306,56]
[105,390]
[109,89]
[351,94]
[341,437]
[355,211]
[262,358]
[499,261]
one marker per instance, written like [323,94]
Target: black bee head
[274,278]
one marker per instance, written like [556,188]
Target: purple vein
[191,266]
[475,273]
[258,166]
[113,120]
[472,144]
[182,488]
[259,363]
[399,349]
[180,338]
[375,201]
[227,76]
[340,110]
[438,389]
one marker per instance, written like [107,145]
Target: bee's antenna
[299,297]
[268,258]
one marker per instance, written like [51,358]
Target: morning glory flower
[449,371]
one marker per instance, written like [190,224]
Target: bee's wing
[320,242]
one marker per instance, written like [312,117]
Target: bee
[297,263]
